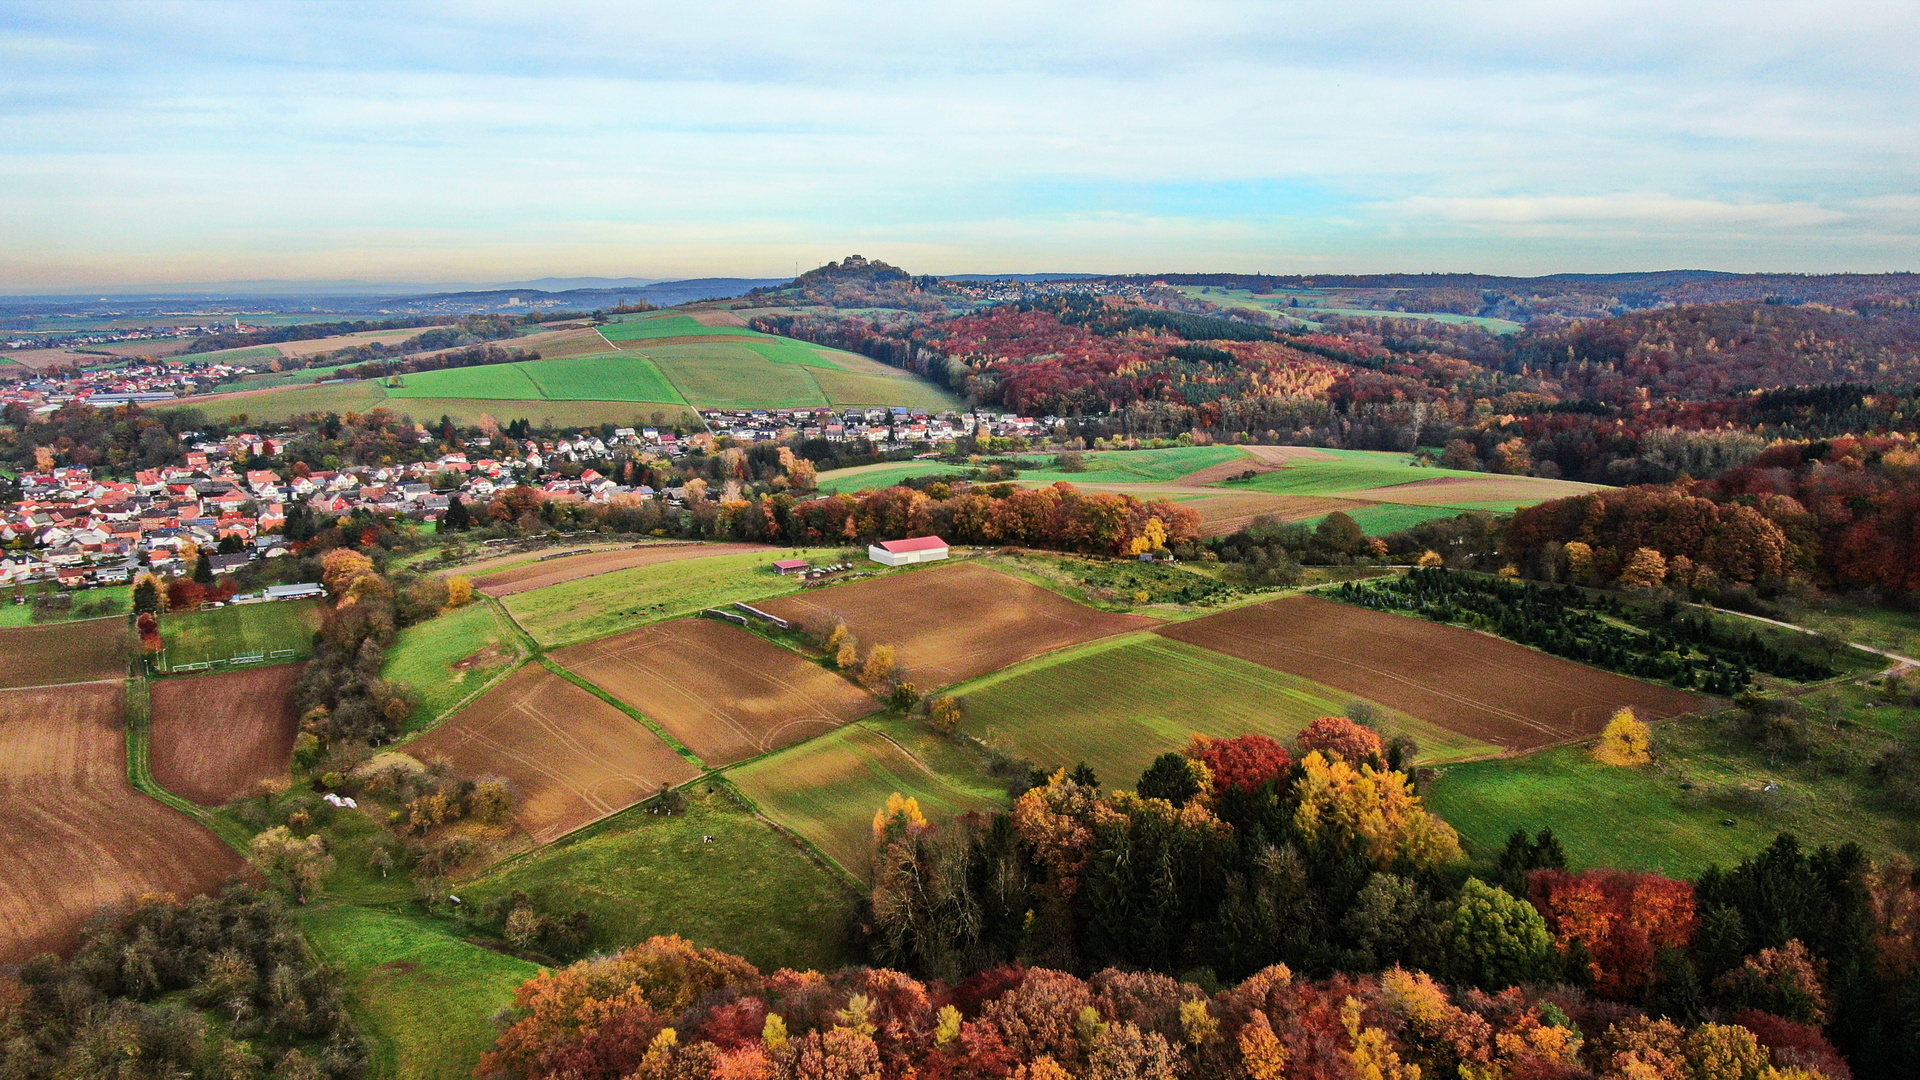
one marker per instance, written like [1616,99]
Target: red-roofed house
[902,552]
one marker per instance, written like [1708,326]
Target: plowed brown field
[1221,515]
[571,757]
[956,622]
[215,737]
[724,692]
[63,652]
[573,567]
[1468,682]
[74,834]
[1449,490]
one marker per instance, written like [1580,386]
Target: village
[73,529]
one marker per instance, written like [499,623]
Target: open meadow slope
[1470,683]
[539,574]
[604,377]
[954,622]
[215,737]
[424,998]
[714,873]
[724,692]
[571,758]
[74,834]
[447,658]
[828,790]
[63,652]
[608,603]
[1120,703]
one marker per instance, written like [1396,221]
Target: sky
[158,143]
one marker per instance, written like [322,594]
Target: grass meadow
[199,636]
[828,789]
[1673,816]
[749,891]
[727,375]
[1132,466]
[594,607]
[607,377]
[1120,703]
[424,657]
[87,604]
[424,998]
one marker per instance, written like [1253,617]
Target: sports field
[1120,703]
[571,757]
[425,999]
[197,637]
[712,873]
[954,622]
[605,604]
[63,652]
[724,692]
[215,737]
[447,658]
[828,789]
[538,574]
[1474,684]
[74,834]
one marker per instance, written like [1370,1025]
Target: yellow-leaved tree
[1627,740]
[1378,804]
[900,816]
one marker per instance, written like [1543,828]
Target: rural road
[1900,666]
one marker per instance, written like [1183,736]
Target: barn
[902,552]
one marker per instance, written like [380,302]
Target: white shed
[901,552]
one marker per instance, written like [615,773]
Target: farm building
[901,552]
[791,566]
[294,592]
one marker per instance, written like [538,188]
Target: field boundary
[636,715]
[846,877]
[520,651]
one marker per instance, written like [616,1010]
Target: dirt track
[724,692]
[956,622]
[573,567]
[68,652]
[572,758]
[1471,683]
[215,737]
[74,834]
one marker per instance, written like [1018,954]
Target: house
[903,552]
[790,566]
[227,564]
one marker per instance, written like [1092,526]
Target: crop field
[215,737]
[424,998]
[1136,466]
[1474,684]
[608,603]
[729,376]
[1476,488]
[606,377]
[747,890]
[362,395]
[449,657]
[316,346]
[954,622]
[884,475]
[724,692]
[53,653]
[654,326]
[898,388]
[571,757]
[1222,515]
[538,575]
[197,637]
[74,834]
[828,789]
[1120,703]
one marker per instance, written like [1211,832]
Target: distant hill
[858,282]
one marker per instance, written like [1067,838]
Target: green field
[200,636]
[872,477]
[87,604]
[827,790]
[1645,819]
[365,395]
[249,355]
[1131,466]
[424,999]
[1356,470]
[724,375]
[1118,704]
[1387,518]
[750,891]
[649,326]
[575,611]
[605,377]
[424,655]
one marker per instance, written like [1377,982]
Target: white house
[901,552]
